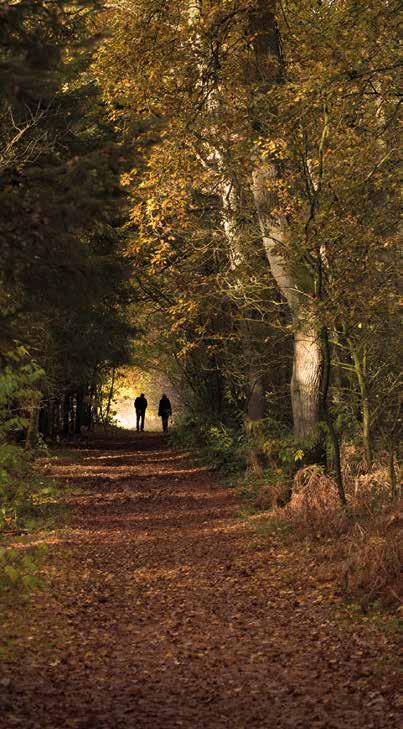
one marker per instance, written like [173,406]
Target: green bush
[24,497]
[224,449]
[186,433]
[26,503]
[15,486]
[217,445]
[19,566]
[18,390]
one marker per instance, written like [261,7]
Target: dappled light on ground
[166,610]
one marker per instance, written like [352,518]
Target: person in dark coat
[140,406]
[164,411]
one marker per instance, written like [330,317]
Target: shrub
[186,433]
[217,445]
[23,496]
[314,508]
[15,486]
[363,539]
[19,567]
[224,449]
[18,389]
[373,558]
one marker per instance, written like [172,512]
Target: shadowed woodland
[199,197]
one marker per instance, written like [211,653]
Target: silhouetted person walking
[140,405]
[164,411]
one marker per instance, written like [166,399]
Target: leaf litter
[164,609]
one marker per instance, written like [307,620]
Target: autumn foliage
[208,190]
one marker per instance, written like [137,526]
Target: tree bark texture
[79,411]
[66,414]
[32,437]
[306,384]
[359,368]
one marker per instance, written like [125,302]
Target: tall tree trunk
[32,437]
[79,411]
[306,382]
[56,418]
[51,417]
[66,414]
[327,417]
[255,414]
[306,385]
[359,369]
[110,396]
[44,418]
[91,399]
[256,400]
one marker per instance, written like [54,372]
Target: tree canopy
[213,186]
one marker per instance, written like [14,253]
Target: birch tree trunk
[306,383]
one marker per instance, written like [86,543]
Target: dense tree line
[65,276]
[231,168]
[264,213]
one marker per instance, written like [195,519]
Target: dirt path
[166,610]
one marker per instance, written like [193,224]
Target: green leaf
[12,573]
[30,581]
[47,490]
[28,564]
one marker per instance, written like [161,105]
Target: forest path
[166,610]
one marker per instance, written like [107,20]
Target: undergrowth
[214,444]
[358,544]
[361,544]
[29,503]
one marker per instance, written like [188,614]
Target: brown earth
[164,609]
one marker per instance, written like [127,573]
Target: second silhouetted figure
[164,411]
[140,405]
